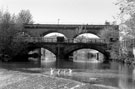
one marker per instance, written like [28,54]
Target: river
[112,75]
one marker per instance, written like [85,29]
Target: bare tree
[24,17]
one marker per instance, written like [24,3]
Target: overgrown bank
[11,28]
[122,52]
[119,50]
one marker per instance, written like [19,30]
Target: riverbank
[18,80]
[130,61]
[112,75]
[10,79]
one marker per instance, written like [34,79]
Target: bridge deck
[54,40]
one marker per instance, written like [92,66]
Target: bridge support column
[60,53]
[97,56]
[59,56]
[39,55]
[107,57]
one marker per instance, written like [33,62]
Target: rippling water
[113,74]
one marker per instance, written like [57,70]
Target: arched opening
[54,34]
[34,55]
[55,37]
[47,56]
[42,55]
[85,37]
[87,55]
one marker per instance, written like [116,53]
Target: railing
[54,40]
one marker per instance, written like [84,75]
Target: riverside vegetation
[11,26]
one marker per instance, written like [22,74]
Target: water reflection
[47,56]
[86,65]
[127,81]
[87,55]
[82,55]
[134,74]
[111,74]
[48,65]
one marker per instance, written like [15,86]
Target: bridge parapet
[54,40]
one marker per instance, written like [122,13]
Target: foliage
[114,51]
[111,35]
[7,30]
[127,27]
[24,17]
[81,39]
[127,17]
[10,25]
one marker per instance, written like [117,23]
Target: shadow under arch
[99,49]
[36,46]
[23,54]
[87,55]
[47,56]
[85,37]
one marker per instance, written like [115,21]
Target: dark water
[113,75]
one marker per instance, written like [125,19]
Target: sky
[88,35]
[65,11]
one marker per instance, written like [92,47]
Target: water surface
[113,74]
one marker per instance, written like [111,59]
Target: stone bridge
[67,46]
[62,50]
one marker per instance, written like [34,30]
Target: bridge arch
[94,47]
[39,46]
[47,55]
[88,35]
[84,37]
[53,32]
[44,54]
[36,51]
[87,55]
